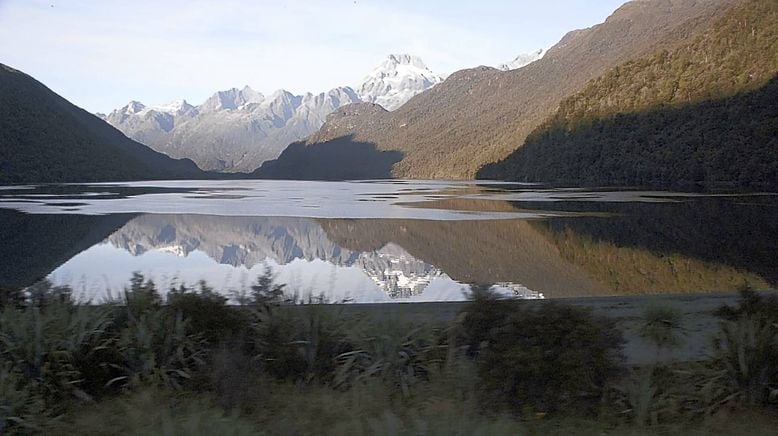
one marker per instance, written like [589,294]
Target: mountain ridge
[45,138]
[696,114]
[480,115]
[236,130]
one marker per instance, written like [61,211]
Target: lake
[386,241]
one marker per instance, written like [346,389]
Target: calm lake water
[386,241]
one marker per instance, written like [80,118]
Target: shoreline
[699,324]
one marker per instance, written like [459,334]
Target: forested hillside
[482,115]
[703,113]
[45,138]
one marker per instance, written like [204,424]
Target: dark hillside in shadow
[339,159]
[699,114]
[731,142]
[45,138]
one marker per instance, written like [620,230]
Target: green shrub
[46,357]
[747,352]
[157,348]
[482,317]
[300,343]
[751,303]
[746,348]
[207,314]
[662,325]
[401,355]
[548,357]
[22,410]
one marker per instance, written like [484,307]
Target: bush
[208,315]
[157,348]
[545,357]
[751,304]
[46,357]
[400,355]
[747,348]
[300,344]
[662,325]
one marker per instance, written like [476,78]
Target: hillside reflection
[552,243]
[299,250]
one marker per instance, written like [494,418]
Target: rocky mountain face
[481,115]
[396,80]
[45,138]
[238,129]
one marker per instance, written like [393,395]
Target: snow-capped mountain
[232,99]
[396,80]
[523,60]
[238,129]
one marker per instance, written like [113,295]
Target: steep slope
[480,115]
[44,138]
[703,113]
[238,129]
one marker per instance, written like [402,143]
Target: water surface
[386,241]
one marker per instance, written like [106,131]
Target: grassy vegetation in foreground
[193,365]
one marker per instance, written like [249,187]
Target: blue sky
[102,54]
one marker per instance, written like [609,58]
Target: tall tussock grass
[190,363]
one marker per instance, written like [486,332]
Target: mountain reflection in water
[298,250]
[389,240]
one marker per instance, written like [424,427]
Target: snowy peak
[523,60]
[398,78]
[176,107]
[231,99]
[132,108]
[404,59]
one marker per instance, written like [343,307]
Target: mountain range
[658,94]
[481,115]
[238,129]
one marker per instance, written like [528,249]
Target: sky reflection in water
[385,241]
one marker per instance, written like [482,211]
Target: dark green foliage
[300,345]
[400,355]
[702,113]
[543,358]
[486,314]
[11,297]
[747,348]
[208,314]
[265,292]
[751,304]
[313,364]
